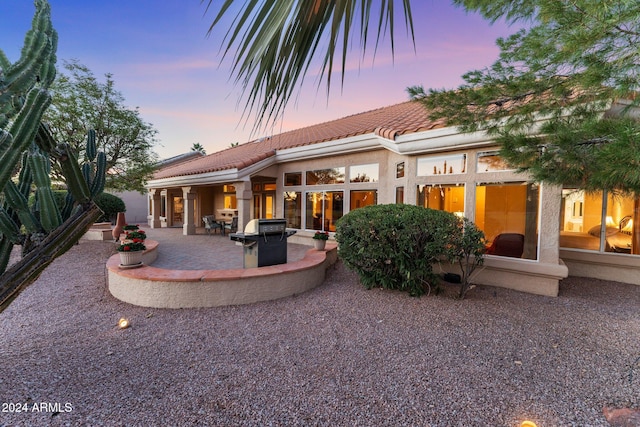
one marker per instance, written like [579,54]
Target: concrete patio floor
[204,251]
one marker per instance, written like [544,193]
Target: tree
[274,43]
[545,96]
[568,67]
[81,102]
[43,229]
[198,148]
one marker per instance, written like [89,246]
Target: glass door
[178,211]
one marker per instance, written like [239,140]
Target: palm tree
[199,148]
[273,43]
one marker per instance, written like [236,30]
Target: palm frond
[273,44]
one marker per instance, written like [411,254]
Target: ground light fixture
[528,424]
[123,323]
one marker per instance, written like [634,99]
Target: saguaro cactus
[43,230]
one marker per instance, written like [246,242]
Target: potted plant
[131,249]
[320,239]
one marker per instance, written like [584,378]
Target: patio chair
[232,227]
[507,244]
[210,223]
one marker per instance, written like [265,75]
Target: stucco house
[396,154]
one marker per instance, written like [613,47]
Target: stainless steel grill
[264,242]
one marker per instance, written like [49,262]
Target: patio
[207,271]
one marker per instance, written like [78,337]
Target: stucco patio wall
[149,286]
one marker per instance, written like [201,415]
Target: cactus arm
[25,179]
[69,202]
[87,171]
[97,186]
[8,227]
[23,130]
[44,138]
[71,170]
[19,204]
[48,70]
[49,214]
[6,140]
[4,61]
[91,145]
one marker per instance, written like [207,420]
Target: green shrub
[466,248]
[395,246]
[110,206]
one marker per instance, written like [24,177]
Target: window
[400,170]
[230,201]
[364,173]
[399,195]
[323,209]
[291,179]
[325,176]
[362,198]
[597,222]
[509,211]
[490,161]
[448,198]
[442,165]
[163,206]
[293,209]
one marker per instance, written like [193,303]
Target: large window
[448,198]
[364,173]
[593,221]
[325,176]
[293,209]
[362,198]
[323,209]
[508,215]
[450,164]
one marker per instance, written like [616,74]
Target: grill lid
[265,226]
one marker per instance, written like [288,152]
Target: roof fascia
[216,177]
[351,144]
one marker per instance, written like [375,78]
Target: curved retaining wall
[150,286]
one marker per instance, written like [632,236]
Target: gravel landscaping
[338,355]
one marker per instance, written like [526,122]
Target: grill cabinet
[264,242]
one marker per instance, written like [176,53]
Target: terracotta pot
[119,227]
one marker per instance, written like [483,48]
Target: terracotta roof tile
[387,122]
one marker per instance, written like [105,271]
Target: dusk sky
[164,63]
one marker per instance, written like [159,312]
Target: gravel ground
[338,355]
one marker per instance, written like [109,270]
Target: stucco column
[154,219]
[243,198]
[188,224]
[551,203]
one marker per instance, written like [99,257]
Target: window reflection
[442,165]
[323,209]
[325,176]
[448,198]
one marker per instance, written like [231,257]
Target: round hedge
[394,246]
[110,206]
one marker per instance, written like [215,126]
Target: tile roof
[387,122]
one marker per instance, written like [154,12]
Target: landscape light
[123,323]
